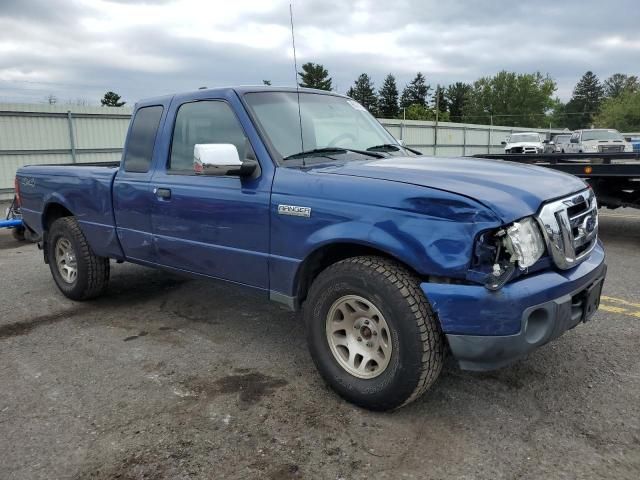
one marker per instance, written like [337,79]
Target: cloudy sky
[78,49]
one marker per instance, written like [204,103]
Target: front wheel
[78,272]
[372,334]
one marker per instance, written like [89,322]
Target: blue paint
[10,223]
[426,212]
[474,310]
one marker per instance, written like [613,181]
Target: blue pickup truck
[394,258]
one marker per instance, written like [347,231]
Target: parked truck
[303,197]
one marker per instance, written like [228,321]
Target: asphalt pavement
[167,377]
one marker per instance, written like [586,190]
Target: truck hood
[510,190]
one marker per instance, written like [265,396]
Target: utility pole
[490,133]
[435,131]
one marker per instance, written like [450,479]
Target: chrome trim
[564,235]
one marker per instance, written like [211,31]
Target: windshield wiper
[385,147]
[327,150]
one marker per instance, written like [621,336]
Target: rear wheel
[372,334]
[78,272]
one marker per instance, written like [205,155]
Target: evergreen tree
[111,99]
[457,96]
[619,83]
[439,100]
[416,92]
[314,75]
[364,93]
[388,98]
[585,101]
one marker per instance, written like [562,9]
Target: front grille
[610,148]
[570,228]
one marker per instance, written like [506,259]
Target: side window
[205,122]
[137,158]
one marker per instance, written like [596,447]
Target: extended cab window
[141,139]
[205,122]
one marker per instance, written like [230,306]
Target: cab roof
[240,90]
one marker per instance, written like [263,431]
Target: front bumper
[488,330]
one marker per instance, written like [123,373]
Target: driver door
[211,225]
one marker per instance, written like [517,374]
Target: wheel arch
[328,254]
[52,212]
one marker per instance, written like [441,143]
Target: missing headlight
[501,253]
[524,242]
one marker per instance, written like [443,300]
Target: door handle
[162,193]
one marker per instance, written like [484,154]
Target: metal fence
[455,139]
[36,134]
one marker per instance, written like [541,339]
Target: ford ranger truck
[303,197]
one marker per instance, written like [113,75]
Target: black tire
[418,346]
[92,271]
[18,234]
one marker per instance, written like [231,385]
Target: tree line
[506,98]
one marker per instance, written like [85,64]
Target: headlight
[524,242]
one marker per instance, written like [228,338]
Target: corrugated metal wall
[454,139]
[37,134]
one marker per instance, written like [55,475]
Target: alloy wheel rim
[358,336]
[66,260]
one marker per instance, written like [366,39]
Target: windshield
[524,137]
[327,121]
[601,135]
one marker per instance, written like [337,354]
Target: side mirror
[546,141]
[218,159]
[503,143]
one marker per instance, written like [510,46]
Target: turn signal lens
[588,170]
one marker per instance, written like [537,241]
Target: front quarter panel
[430,230]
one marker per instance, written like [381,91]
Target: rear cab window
[139,151]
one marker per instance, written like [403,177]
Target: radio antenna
[295,66]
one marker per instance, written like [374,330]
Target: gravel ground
[167,377]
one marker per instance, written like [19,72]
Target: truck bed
[84,189]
